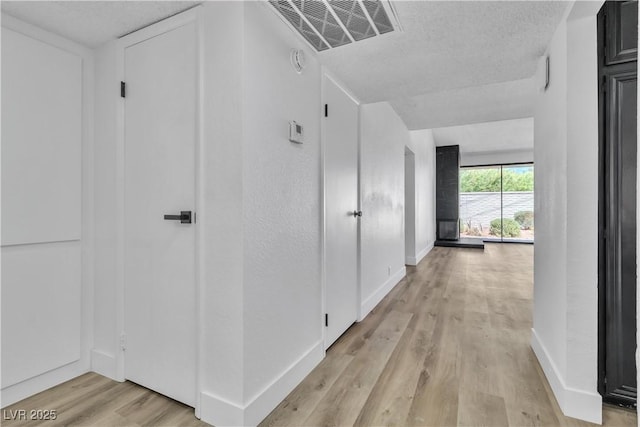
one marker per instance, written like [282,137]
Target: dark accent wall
[447,192]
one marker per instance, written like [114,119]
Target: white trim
[580,404]
[324,72]
[266,400]
[390,9]
[103,363]
[323,210]
[38,33]
[375,298]
[221,412]
[420,256]
[199,169]
[189,16]
[27,388]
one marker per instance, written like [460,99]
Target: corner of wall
[377,296]
[218,411]
[574,403]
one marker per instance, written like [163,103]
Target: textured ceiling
[500,136]
[93,23]
[456,62]
[477,104]
[447,45]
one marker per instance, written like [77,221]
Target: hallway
[448,346]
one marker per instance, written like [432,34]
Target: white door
[160,136]
[341,201]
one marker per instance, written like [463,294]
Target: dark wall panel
[447,192]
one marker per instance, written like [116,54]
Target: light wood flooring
[94,400]
[448,346]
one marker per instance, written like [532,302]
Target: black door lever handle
[184,217]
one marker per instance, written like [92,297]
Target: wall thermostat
[296,132]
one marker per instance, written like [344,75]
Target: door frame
[326,73]
[193,15]
[410,226]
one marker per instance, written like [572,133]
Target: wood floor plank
[347,396]
[295,408]
[476,408]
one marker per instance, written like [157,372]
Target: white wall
[383,137]
[221,216]
[564,334]
[47,213]
[105,345]
[423,145]
[281,203]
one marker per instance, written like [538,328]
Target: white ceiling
[456,62]
[500,136]
[447,45]
[488,103]
[93,23]
[443,69]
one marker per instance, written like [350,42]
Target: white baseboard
[27,388]
[220,412]
[580,404]
[381,292]
[423,253]
[104,364]
[265,401]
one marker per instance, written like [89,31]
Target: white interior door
[160,137]
[341,200]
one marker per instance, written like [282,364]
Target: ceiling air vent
[327,24]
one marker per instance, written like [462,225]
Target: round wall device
[297,60]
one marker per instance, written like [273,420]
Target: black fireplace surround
[448,192]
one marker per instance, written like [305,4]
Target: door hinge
[326,319]
[123,89]
[326,110]
[123,341]
[603,84]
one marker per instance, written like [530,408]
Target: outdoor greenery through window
[496,203]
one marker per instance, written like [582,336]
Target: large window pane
[479,201]
[496,203]
[517,203]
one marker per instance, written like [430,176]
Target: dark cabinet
[617,42]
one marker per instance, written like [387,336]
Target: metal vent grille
[327,24]
[378,16]
[287,10]
[354,19]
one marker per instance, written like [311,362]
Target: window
[496,202]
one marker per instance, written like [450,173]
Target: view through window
[496,202]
